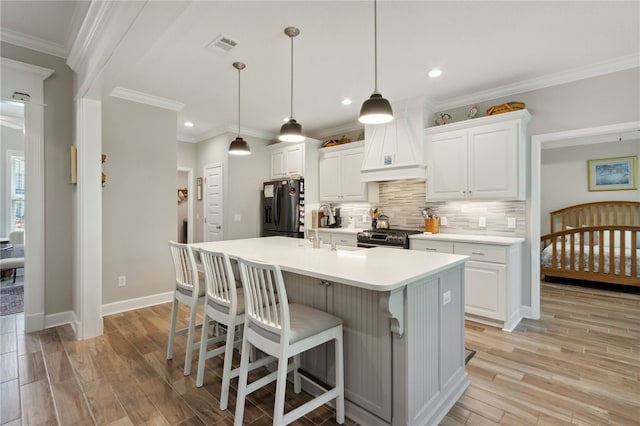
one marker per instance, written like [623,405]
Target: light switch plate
[482,222]
[443,220]
[511,222]
[237,217]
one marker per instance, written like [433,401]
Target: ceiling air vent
[222,43]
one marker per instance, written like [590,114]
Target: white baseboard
[33,322]
[137,303]
[525,311]
[60,318]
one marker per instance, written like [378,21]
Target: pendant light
[239,146]
[376,109]
[291,131]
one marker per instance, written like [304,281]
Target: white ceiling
[486,49]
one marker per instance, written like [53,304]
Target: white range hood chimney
[395,150]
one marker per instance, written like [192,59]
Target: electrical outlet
[365,218]
[511,222]
[482,222]
[446,297]
[443,220]
[237,217]
[122,281]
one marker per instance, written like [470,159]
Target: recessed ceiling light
[346,101]
[435,73]
[188,124]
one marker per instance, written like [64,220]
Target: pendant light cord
[291,114]
[238,102]
[375,45]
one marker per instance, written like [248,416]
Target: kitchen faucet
[332,219]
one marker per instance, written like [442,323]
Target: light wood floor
[579,364]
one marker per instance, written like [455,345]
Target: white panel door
[213,202]
[447,166]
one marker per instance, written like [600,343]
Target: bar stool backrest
[219,279]
[186,270]
[265,297]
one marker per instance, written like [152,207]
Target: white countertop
[378,269]
[467,238]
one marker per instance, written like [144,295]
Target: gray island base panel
[403,314]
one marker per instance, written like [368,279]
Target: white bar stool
[189,292]
[284,331]
[225,306]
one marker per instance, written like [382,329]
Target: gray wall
[243,177]
[58,136]
[139,199]
[563,180]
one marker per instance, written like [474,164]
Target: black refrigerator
[283,208]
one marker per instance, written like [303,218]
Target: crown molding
[186,138]
[562,77]
[89,31]
[33,43]
[217,131]
[144,98]
[22,67]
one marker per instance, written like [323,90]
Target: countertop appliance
[394,238]
[282,208]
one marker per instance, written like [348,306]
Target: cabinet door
[447,166]
[350,165]
[295,160]
[277,164]
[484,288]
[493,161]
[330,177]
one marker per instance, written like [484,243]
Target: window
[16,192]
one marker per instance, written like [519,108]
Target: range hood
[394,151]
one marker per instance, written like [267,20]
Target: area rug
[11,300]
[468,354]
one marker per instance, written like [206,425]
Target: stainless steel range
[393,238]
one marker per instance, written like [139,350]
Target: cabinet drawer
[432,246]
[482,252]
[345,240]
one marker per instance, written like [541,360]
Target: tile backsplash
[403,202]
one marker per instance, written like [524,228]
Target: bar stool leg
[242,382]
[172,328]
[281,387]
[339,367]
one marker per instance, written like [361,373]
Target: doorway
[12,214]
[556,140]
[185,200]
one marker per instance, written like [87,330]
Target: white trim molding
[34,43]
[556,79]
[41,72]
[145,98]
[136,303]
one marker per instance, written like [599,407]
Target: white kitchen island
[403,313]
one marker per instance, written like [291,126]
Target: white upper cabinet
[286,159]
[340,179]
[480,159]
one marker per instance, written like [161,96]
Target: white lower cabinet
[493,279]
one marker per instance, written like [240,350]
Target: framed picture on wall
[613,174]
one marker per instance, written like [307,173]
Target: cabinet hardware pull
[430,249]
[478,253]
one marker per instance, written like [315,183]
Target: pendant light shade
[239,146]
[376,109]
[291,131]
